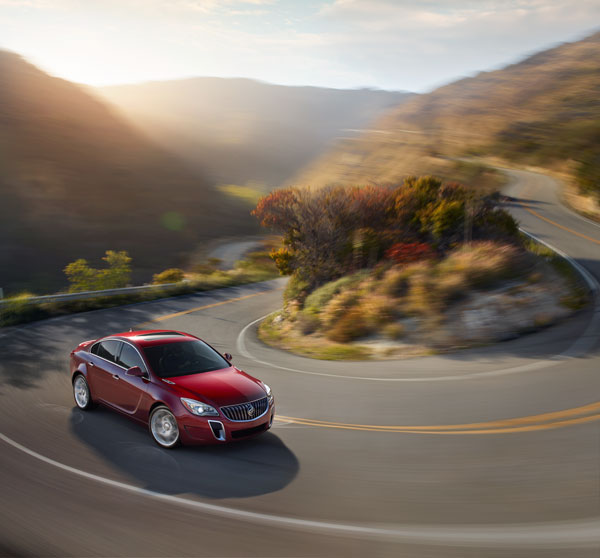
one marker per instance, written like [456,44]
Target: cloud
[377,15]
[206,6]
[428,42]
[36,4]
[400,44]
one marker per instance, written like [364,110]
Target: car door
[129,390]
[103,372]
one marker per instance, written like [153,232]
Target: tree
[118,272]
[82,277]
[332,231]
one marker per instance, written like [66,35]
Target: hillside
[76,179]
[544,110]
[241,131]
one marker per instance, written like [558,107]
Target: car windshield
[183,358]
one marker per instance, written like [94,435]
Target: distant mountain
[76,180]
[240,131]
[544,110]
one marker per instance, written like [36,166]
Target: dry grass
[416,304]
[337,307]
[483,263]
[394,331]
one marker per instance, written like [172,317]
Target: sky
[412,45]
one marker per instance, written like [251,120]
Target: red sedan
[178,385]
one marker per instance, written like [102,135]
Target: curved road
[487,452]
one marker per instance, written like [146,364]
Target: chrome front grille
[246,411]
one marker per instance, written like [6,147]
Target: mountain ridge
[240,130]
[76,180]
[554,90]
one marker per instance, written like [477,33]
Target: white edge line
[576,533]
[579,347]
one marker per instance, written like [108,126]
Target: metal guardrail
[92,294]
[591,282]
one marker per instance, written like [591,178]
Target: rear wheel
[163,427]
[81,392]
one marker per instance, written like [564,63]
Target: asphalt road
[487,452]
[231,252]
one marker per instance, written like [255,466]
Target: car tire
[163,427]
[82,393]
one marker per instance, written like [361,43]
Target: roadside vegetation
[116,274]
[21,308]
[426,266]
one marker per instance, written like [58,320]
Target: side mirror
[136,371]
[228,357]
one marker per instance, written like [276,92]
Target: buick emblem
[250,410]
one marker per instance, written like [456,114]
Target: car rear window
[183,358]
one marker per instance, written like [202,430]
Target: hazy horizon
[341,44]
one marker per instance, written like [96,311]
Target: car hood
[228,386]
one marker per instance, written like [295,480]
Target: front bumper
[217,430]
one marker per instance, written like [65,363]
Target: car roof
[149,337]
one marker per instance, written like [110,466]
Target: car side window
[129,358]
[107,349]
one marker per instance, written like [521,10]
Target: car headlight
[199,408]
[269,392]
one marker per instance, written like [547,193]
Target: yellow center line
[198,308]
[533,212]
[519,424]
[408,430]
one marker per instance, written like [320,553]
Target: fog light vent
[217,429]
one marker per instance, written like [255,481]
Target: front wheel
[163,427]
[81,392]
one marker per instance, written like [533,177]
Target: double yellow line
[536,214]
[544,421]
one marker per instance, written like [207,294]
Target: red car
[182,388]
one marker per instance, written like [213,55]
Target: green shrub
[444,220]
[258,261]
[172,275]
[85,278]
[284,260]
[317,300]
[296,288]
[19,308]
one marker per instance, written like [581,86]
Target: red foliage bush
[409,252]
[333,231]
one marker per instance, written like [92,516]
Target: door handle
[116,377]
[91,364]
